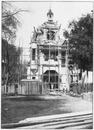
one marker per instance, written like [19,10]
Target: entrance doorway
[50,78]
[16,88]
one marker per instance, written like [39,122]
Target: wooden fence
[79,88]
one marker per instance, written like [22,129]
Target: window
[7,89]
[33,54]
[16,88]
[50,35]
[33,77]
[46,57]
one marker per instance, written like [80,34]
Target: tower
[49,56]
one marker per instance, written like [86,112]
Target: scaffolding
[47,65]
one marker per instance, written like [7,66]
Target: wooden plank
[50,117]
[83,126]
[62,120]
[59,122]
[60,126]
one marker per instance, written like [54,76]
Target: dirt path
[74,104]
[78,104]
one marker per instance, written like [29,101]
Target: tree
[12,68]
[10,64]
[10,53]
[80,40]
[9,22]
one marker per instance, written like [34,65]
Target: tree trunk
[6,82]
[87,79]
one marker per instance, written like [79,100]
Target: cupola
[50,15]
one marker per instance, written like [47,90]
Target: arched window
[50,35]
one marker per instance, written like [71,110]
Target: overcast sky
[64,12]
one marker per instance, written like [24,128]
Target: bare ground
[15,109]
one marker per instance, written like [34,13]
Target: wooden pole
[30,59]
[58,67]
[19,70]
[49,66]
[67,66]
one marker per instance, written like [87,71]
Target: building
[49,67]
[49,56]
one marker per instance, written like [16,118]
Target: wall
[31,88]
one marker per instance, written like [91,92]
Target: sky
[64,12]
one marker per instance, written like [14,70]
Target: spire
[50,5]
[50,15]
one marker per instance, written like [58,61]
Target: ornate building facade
[49,56]
[49,68]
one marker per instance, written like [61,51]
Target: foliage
[9,22]
[10,53]
[80,41]
[10,58]
[66,34]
